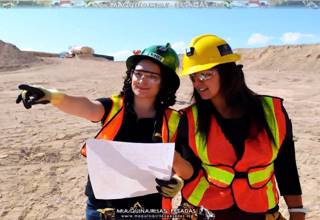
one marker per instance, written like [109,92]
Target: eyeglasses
[150,77]
[203,76]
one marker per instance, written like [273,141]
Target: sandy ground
[42,175]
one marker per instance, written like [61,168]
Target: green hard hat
[167,58]
[161,54]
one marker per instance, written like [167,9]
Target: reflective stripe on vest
[200,143]
[200,189]
[117,103]
[221,176]
[170,124]
[260,177]
[113,121]
[273,111]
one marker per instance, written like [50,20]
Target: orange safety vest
[114,121]
[249,181]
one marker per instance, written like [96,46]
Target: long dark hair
[238,96]
[166,96]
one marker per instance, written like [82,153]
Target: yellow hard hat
[205,52]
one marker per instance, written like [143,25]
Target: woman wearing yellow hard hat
[242,141]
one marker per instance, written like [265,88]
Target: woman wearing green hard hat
[140,113]
[242,141]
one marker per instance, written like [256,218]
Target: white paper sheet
[122,170]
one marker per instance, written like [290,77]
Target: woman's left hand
[295,202]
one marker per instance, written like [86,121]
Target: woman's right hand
[32,95]
[74,105]
[169,188]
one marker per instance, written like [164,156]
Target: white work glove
[170,188]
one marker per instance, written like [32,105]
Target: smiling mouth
[202,89]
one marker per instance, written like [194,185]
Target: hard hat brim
[134,59]
[198,68]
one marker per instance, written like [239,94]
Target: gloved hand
[32,95]
[169,188]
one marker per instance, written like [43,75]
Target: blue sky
[119,31]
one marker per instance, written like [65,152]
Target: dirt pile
[305,58]
[11,58]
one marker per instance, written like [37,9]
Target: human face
[207,83]
[146,79]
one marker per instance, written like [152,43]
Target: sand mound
[282,58]
[12,58]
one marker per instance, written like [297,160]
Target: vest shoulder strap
[272,107]
[170,125]
[117,104]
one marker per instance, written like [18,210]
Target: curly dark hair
[166,96]
[237,95]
